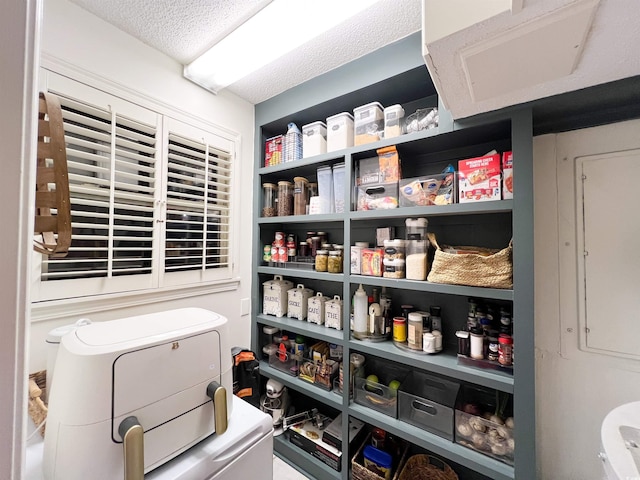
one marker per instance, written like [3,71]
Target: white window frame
[127,290]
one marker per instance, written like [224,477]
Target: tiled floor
[283,471]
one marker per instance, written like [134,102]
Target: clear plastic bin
[379,396]
[338,188]
[325,189]
[368,123]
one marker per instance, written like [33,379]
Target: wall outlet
[245,306]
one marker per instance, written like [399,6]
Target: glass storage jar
[268,200]
[322,259]
[300,197]
[285,198]
[334,264]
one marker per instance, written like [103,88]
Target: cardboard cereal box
[507,175]
[480,179]
[273,151]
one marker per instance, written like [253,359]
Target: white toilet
[620,439]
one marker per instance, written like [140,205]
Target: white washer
[244,451]
[620,438]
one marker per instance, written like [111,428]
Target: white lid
[340,115]
[416,222]
[362,244]
[396,242]
[368,106]
[319,123]
[397,108]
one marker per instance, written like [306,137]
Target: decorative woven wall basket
[492,270]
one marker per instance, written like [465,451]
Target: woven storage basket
[37,391]
[426,467]
[492,271]
[360,472]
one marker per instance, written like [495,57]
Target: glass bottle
[285,198]
[268,200]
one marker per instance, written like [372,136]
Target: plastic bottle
[360,311]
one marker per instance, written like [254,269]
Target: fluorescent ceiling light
[277,29]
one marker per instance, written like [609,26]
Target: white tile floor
[283,471]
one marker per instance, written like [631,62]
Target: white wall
[75,42]
[18,51]
[575,389]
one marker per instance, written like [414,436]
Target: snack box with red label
[480,179]
[507,175]
[273,151]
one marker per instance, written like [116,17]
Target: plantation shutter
[112,183]
[198,205]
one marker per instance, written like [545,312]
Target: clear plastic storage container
[314,139]
[368,123]
[393,116]
[338,187]
[325,189]
[339,131]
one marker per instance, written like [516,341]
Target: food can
[399,329]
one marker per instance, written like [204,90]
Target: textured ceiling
[184,29]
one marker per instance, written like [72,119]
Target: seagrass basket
[426,467]
[37,408]
[494,270]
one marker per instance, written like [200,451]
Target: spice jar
[463,342]
[493,345]
[477,340]
[414,333]
[334,264]
[285,198]
[505,348]
[303,249]
[268,200]
[300,198]
[399,329]
[322,259]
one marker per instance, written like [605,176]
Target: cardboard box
[273,150]
[332,435]
[507,175]
[308,437]
[480,179]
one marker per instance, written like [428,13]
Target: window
[150,201]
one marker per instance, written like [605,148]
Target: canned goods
[399,329]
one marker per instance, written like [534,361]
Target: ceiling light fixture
[277,29]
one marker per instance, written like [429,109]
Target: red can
[505,349]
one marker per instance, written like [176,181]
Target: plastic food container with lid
[325,189]
[314,139]
[368,123]
[339,131]
[393,121]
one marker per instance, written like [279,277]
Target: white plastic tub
[339,131]
[314,139]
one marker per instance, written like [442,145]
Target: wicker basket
[37,392]
[426,467]
[360,472]
[492,271]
